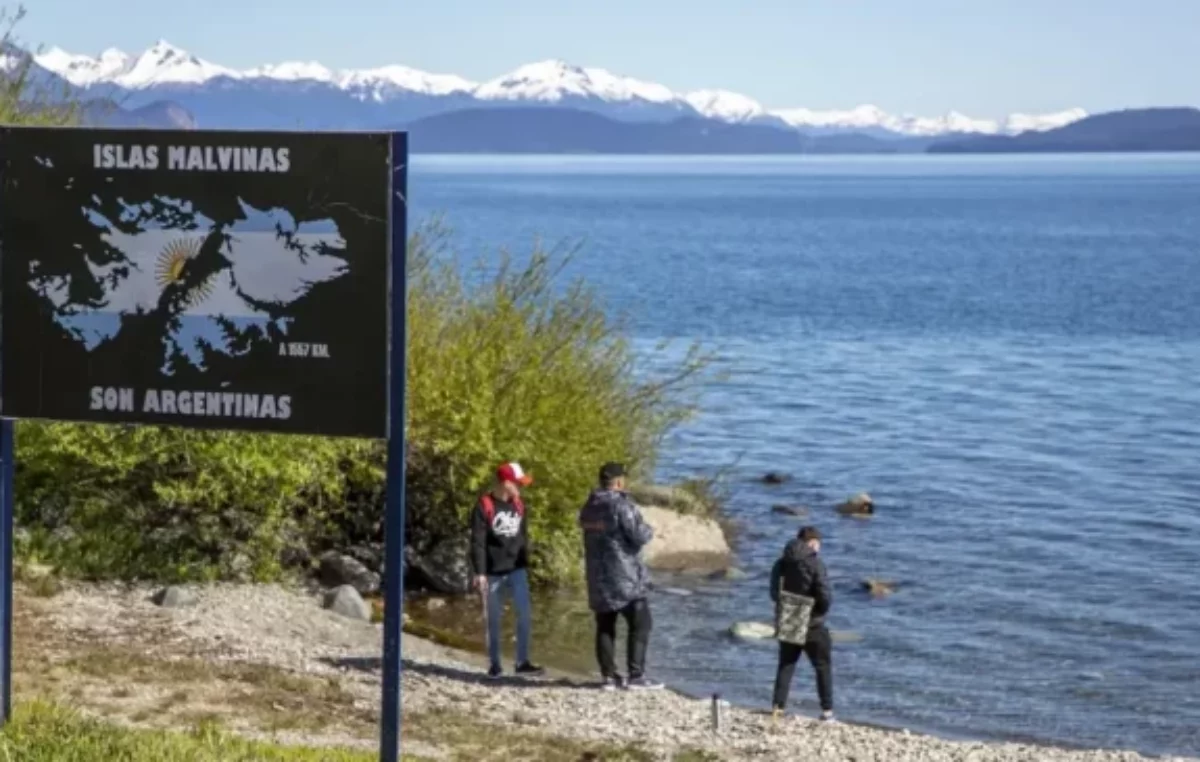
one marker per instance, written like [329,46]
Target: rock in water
[676,591]
[790,510]
[174,597]
[731,574]
[878,588]
[859,505]
[338,569]
[346,601]
[774,477]
[752,631]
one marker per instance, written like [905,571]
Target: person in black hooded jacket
[801,571]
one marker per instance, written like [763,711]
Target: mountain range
[553,107]
[310,95]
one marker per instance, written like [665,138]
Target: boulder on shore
[688,544]
[338,569]
[859,505]
[445,568]
[346,601]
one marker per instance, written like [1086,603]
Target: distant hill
[574,131]
[159,114]
[1150,129]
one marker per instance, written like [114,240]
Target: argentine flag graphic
[273,260]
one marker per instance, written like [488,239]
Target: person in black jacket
[801,571]
[499,558]
[618,582]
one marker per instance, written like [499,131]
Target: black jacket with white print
[501,545]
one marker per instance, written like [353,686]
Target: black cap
[809,533]
[610,471]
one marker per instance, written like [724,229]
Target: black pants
[638,622]
[819,647]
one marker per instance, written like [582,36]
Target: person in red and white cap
[499,558]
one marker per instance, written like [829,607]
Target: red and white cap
[512,472]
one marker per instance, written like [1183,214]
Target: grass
[47,732]
[691,498]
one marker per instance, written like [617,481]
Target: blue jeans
[517,583]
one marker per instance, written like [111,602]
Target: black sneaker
[612,683]
[642,683]
[529,669]
[495,671]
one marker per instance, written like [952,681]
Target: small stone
[346,601]
[859,505]
[878,588]
[435,604]
[676,591]
[789,510]
[752,631]
[174,597]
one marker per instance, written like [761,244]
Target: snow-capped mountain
[297,93]
[727,106]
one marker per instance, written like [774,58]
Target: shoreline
[286,632]
[436,636]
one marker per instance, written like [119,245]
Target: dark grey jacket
[802,572]
[614,534]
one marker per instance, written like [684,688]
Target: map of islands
[271,262]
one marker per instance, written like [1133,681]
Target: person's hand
[481,584]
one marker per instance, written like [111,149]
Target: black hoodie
[802,572]
[502,545]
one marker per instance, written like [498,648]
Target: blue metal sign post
[7,451]
[394,519]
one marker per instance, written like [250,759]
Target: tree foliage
[24,97]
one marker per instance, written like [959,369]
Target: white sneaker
[612,683]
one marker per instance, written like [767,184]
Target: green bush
[505,362]
[508,366]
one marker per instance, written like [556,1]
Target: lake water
[1004,351]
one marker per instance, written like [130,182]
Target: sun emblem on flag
[172,261]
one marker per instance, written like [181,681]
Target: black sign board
[231,280]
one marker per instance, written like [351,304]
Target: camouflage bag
[792,613]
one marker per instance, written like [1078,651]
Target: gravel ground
[288,629]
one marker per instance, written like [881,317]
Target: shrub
[508,366]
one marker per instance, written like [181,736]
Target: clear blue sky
[983,57]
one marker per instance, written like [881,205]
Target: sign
[224,280]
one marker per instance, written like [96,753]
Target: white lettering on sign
[192,158]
